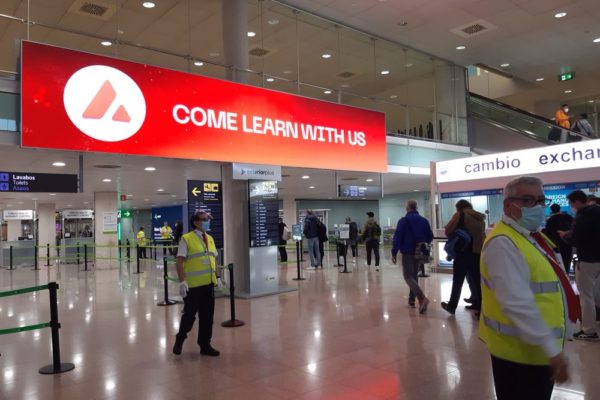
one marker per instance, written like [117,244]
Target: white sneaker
[354,260]
[377,269]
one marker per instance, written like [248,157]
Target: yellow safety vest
[165,232]
[496,329]
[141,238]
[199,265]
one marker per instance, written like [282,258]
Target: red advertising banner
[84,102]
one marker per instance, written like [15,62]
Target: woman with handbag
[466,263]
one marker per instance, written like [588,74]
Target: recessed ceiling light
[287,72]
[344,85]
[198,63]
[270,79]
[305,177]
[597,40]
[214,54]
[160,190]
[148,4]
[311,187]
[568,91]
[251,34]
[394,96]
[325,55]
[58,164]
[173,195]
[408,65]
[273,21]
[560,15]
[385,72]
[106,43]
[539,79]
[106,180]
[590,101]
[150,169]
[505,65]
[369,179]
[327,91]
[461,47]
[415,190]
[86,202]
[69,205]
[52,194]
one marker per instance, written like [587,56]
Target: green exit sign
[125,213]
[566,76]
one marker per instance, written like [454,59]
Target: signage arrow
[157,216]
[196,192]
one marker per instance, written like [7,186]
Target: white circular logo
[104,103]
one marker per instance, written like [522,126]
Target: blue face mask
[205,226]
[532,218]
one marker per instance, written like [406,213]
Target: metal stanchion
[78,254]
[11,257]
[119,250]
[85,256]
[137,259]
[345,271]
[35,257]
[57,366]
[166,301]
[47,254]
[301,251]
[128,251]
[233,322]
[298,251]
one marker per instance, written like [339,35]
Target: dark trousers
[466,264]
[566,253]
[411,270]
[373,245]
[322,251]
[141,252]
[515,381]
[354,249]
[282,252]
[199,300]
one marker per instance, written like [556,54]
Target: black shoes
[423,275]
[469,300]
[210,351]
[178,346]
[446,307]
[472,307]
[411,303]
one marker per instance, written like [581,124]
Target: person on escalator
[582,125]
[562,118]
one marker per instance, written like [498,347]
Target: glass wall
[286,50]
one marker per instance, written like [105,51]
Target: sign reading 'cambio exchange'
[79,101]
[562,157]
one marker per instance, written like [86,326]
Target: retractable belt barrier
[233,322]
[57,366]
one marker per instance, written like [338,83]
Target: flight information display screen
[264,213]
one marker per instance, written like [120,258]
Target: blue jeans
[313,251]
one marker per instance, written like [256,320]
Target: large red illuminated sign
[84,102]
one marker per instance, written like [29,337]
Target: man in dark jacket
[559,221]
[322,239]
[371,235]
[412,229]
[353,241]
[466,262]
[311,231]
[585,236]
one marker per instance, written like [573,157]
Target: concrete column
[46,228]
[236,230]
[105,202]
[290,211]
[235,37]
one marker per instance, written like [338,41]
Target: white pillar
[105,202]
[235,37]
[290,211]
[46,228]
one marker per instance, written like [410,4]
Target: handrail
[515,109]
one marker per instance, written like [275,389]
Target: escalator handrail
[527,113]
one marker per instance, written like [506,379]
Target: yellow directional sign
[196,192]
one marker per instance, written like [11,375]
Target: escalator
[496,127]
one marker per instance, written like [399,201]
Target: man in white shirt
[528,303]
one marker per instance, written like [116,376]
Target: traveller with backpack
[466,233]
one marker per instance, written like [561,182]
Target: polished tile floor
[340,336]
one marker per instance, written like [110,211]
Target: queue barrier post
[128,251]
[35,257]
[301,250]
[137,255]
[345,271]
[85,258]
[78,254]
[57,366]
[47,254]
[233,322]
[119,252]
[166,301]
[298,252]
[11,257]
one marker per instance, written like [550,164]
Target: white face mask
[566,109]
